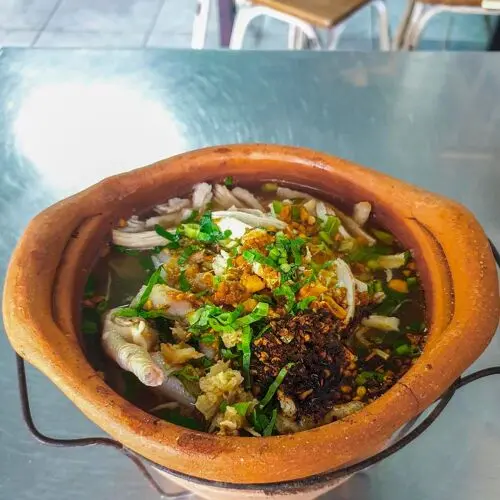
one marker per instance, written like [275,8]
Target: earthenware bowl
[51,263]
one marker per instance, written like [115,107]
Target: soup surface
[253,313]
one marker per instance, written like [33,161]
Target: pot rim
[451,250]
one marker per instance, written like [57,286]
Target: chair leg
[419,26]
[296,38]
[402,29]
[247,14]
[200,24]
[243,19]
[334,35]
[416,13]
[383,22]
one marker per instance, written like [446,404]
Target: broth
[253,314]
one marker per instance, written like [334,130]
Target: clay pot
[52,260]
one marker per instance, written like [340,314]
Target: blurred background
[169,23]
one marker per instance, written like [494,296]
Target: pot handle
[90,441]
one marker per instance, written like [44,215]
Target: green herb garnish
[153,280]
[228,181]
[277,207]
[242,408]
[246,341]
[184,284]
[172,238]
[275,385]
[364,377]
[268,430]
[383,236]
[287,292]
[303,304]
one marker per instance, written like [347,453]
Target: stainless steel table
[71,117]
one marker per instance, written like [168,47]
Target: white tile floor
[168,23]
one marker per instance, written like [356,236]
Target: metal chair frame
[418,15]
[301,34]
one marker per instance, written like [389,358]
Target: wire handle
[329,476]
[89,441]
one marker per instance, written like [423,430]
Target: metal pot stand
[269,488]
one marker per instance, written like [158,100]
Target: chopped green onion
[261,310]
[407,350]
[254,256]
[412,281]
[303,304]
[331,225]
[346,245]
[325,237]
[269,187]
[228,354]
[268,430]
[364,377]
[224,404]
[228,181]
[184,284]
[383,236]
[127,312]
[287,292]
[295,213]
[173,238]
[296,247]
[262,298]
[277,207]
[246,341]
[187,252]
[275,385]
[242,408]
[381,354]
[192,217]
[153,280]
[207,339]
[191,230]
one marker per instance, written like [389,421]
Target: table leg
[226,19]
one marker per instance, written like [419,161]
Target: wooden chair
[420,12]
[304,17]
